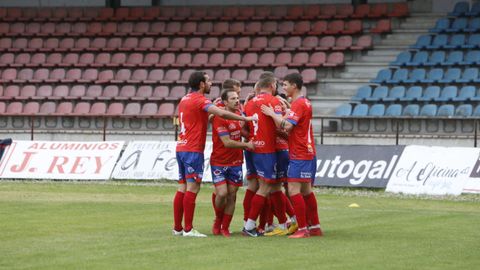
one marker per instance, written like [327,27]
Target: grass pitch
[65,225]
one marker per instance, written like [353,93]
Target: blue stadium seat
[458,25]
[344,110]
[436,58]
[465,94]
[464,110]
[394,110]
[475,10]
[454,58]
[413,94]
[383,76]
[430,93]
[451,75]
[434,75]
[476,96]
[473,26]
[419,59]
[446,110]
[411,110]
[402,59]
[422,42]
[469,75]
[473,42]
[471,58]
[378,94]
[377,110]
[441,25]
[399,75]
[460,9]
[439,41]
[362,93]
[360,110]
[476,111]
[428,110]
[447,94]
[416,75]
[395,94]
[456,41]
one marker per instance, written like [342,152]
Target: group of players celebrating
[279,151]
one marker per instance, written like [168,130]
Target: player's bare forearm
[229,143]
[226,114]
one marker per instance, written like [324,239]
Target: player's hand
[253,118]
[249,96]
[217,101]
[250,145]
[284,103]
[268,110]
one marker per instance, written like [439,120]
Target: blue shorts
[302,170]
[282,165]
[264,166]
[223,174]
[190,167]
[251,173]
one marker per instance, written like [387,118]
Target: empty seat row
[414,110]
[383,94]
[83,108]
[277,43]
[420,75]
[207,12]
[446,25]
[437,58]
[143,76]
[197,60]
[178,28]
[443,41]
[463,9]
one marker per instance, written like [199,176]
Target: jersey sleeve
[204,103]
[296,113]
[277,106]
[220,126]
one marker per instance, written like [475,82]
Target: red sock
[278,206]
[257,205]
[288,206]
[312,212]
[226,221]
[247,202]
[299,207]
[189,209]
[264,215]
[269,211]
[178,210]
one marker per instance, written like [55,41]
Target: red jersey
[281,142]
[193,116]
[221,155]
[300,141]
[263,132]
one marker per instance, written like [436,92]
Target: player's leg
[178,199]
[297,179]
[229,209]
[252,184]
[311,206]
[194,173]
[278,204]
[264,164]
[221,191]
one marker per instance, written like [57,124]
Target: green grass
[65,225]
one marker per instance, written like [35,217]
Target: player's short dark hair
[266,79]
[225,92]
[195,79]
[230,83]
[294,78]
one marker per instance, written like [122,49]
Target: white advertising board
[60,160]
[433,170]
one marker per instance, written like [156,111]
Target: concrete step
[384,50]
[376,59]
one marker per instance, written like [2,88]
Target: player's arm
[228,115]
[245,131]
[229,143]
[280,122]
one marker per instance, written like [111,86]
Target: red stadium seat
[79,28]
[312,12]
[335,27]
[301,27]
[98,108]
[343,43]
[293,43]
[6,59]
[109,92]
[31,108]
[210,44]
[77,92]
[14,108]
[275,44]
[44,92]
[47,108]
[299,59]
[309,43]
[154,76]
[283,59]
[145,43]
[188,28]
[363,42]
[176,93]
[232,60]
[240,74]
[161,44]
[53,60]
[248,60]
[383,26]
[266,59]
[204,28]
[353,27]
[134,59]
[221,75]
[316,59]
[199,60]
[37,59]
[11,92]
[27,92]
[72,75]
[122,76]
[118,59]
[34,44]
[241,44]
[378,10]
[182,60]
[130,43]
[226,44]
[160,93]
[138,76]
[149,109]
[399,10]
[8,75]
[64,108]
[89,75]
[60,92]
[82,108]
[215,60]
[171,76]
[361,11]
[335,59]
[115,108]
[27,75]
[143,92]
[86,59]
[93,92]
[318,28]
[166,110]
[150,60]
[105,76]
[193,44]
[236,28]
[157,28]
[258,44]
[126,92]
[344,11]
[55,75]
